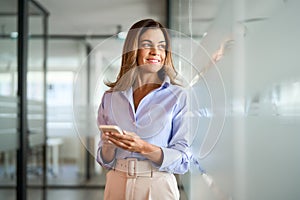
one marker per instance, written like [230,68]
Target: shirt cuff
[108,165]
[170,157]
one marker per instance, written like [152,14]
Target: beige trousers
[161,186]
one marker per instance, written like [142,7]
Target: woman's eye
[146,45]
[162,46]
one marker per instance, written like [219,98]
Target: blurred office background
[245,106]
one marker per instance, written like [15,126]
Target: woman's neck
[144,80]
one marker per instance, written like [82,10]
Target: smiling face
[152,50]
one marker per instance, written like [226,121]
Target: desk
[53,144]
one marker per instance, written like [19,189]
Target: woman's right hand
[106,142]
[108,148]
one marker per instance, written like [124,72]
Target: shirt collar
[166,82]
[129,92]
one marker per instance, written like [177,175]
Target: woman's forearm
[153,153]
[108,152]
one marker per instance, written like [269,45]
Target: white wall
[257,155]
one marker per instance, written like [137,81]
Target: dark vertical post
[45,40]
[88,85]
[22,96]
[168,14]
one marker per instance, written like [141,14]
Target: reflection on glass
[35,100]
[257,156]
[8,99]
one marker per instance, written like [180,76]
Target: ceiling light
[14,35]
[122,35]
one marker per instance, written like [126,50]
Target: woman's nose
[154,51]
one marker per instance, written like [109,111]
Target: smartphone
[110,128]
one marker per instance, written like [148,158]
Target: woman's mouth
[153,61]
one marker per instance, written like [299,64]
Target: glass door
[36,102]
[8,98]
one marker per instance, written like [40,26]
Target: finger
[120,144]
[121,137]
[115,142]
[128,144]
[125,142]
[105,135]
[130,133]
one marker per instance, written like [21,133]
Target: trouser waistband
[133,167]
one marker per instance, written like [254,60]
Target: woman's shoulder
[176,86]
[108,94]
[178,90]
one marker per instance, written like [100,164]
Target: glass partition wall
[36,101]
[8,99]
[254,154]
[35,171]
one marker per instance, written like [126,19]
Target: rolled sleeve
[176,157]
[107,165]
[174,161]
[101,120]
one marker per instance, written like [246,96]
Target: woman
[148,105]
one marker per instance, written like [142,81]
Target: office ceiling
[96,17]
[102,17]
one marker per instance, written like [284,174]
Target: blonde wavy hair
[128,71]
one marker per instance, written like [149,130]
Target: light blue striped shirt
[159,119]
